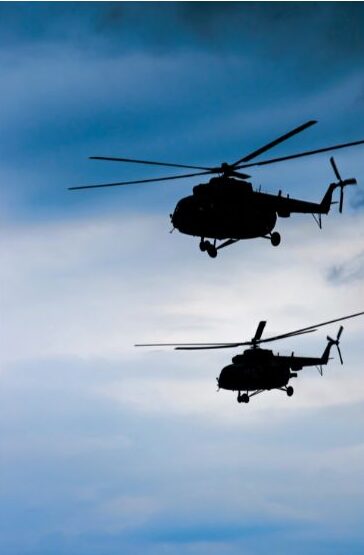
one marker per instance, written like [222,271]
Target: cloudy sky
[106,449]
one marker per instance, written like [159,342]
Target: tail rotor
[341,182]
[336,342]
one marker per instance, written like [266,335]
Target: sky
[107,449]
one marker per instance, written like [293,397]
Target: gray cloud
[315,34]
[107,449]
[348,271]
[132,451]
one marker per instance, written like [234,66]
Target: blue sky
[107,449]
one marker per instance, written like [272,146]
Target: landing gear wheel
[275,239]
[203,245]
[209,247]
[245,398]
[211,250]
[289,391]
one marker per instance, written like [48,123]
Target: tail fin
[326,202]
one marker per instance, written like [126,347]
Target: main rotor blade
[192,345]
[299,155]
[274,143]
[258,333]
[154,180]
[308,329]
[284,336]
[134,161]
[226,346]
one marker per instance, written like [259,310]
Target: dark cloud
[310,44]
[316,33]
[312,34]
[351,270]
[136,75]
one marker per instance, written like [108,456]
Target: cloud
[267,30]
[168,105]
[351,270]
[275,32]
[171,477]
[84,284]
[109,449]
[75,291]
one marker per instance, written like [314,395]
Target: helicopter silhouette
[227,208]
[257,370]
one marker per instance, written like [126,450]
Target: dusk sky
[106,449]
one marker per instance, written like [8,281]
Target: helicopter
[227,208]
[257,370]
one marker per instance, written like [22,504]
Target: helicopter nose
[177,214]
[221,380]
[174,219]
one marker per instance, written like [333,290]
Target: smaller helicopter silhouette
[257,370]
[227,208]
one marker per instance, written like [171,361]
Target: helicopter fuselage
[255,370]
[224,211]
[242,377]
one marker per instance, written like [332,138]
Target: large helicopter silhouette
[227,208]
[257,370]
